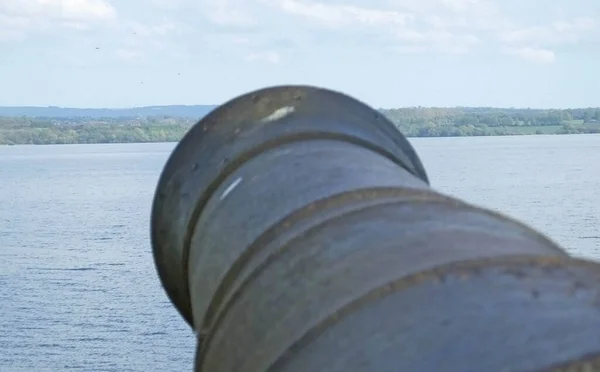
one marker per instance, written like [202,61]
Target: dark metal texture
[239,130]
[295,230]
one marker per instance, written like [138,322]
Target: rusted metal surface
[295,230]
[491,315]
[589,363]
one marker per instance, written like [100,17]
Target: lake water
[78,288]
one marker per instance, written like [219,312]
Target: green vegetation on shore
[413,122]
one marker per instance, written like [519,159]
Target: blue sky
[389,53]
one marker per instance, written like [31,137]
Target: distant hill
[55,125]
[196,111]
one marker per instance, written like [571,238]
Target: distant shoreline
[413,122]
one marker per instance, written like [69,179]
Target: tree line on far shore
[412,121]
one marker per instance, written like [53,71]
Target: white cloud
[166,4]
[555,33]
[410,26]
[128,55]
[410,49]
[80,10]
[579,24]
[335,15]
[20,17]
[138,42]
[224,13]
[154,30]
[447,26]
[59,10]
[12,28]
[460,5]
[267,56]
[436,37]
[254,29]
[539,43]
[240,40]
[534,54]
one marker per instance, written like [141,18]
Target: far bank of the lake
[412,122]
[152,134]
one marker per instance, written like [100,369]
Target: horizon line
[217,105]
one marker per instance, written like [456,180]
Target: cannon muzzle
[294,229]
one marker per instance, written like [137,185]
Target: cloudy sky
[389,53]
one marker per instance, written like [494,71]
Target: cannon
[294,229]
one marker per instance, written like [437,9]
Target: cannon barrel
[294,229]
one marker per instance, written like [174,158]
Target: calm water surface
[78,289]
